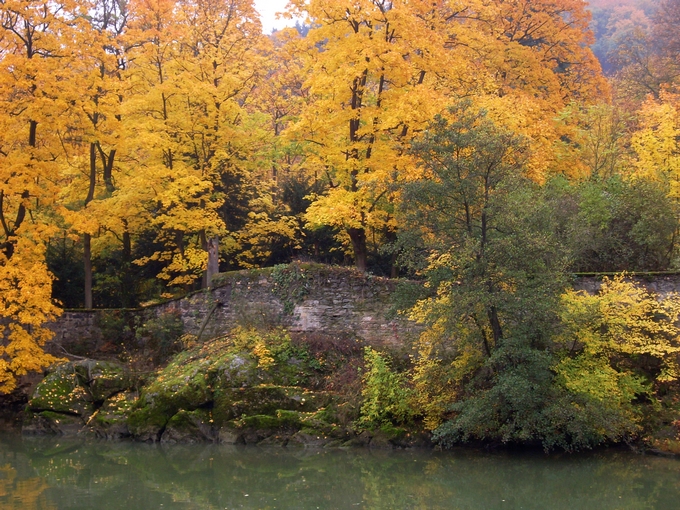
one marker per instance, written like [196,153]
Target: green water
[68,474]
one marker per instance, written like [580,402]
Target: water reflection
[47,474]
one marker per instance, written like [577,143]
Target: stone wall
[662,285]
[307,298]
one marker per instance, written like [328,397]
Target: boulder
[72,394]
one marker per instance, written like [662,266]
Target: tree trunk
[213,260]
[87,238]
[128,293]
[391,237]
[495,326]
[358,238]
[87,262]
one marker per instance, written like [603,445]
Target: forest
[487,149]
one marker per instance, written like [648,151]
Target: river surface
[71,474]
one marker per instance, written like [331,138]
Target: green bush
[386,396]
[162,334]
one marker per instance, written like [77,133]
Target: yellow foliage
[606,333]
[376,76]
[656,143]
[25,307]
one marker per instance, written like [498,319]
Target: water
[69,474]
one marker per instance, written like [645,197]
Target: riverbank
[239,365]
[249,387]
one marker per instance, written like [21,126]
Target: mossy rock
[281,418]
[77,387]
[105,379]
[258,428]
[188,383]
[146,423]
[232,403]
[190,427]
[51,423]
[320,427]
[63,390]
[110,420]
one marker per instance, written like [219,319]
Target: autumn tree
[192,70]
[33,51]
[656,144]
[92,137]
[616,347]
[480,232]
[380,70]
[648,56]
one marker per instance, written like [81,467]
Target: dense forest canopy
[503,144]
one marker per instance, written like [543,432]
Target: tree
[193,69]
[494,271]
[33,53]
[618,345]
[647,55]
[379,71]
[616,224]
[656,142]
[371,73]
[93,136]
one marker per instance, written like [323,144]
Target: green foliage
[291,285]
[616,224]
[490,366]
[386,395]
[162,334]
[521,403]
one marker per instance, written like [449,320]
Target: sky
[268,10]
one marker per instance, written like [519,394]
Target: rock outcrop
[251,388]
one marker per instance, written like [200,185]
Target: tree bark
[213,260]
[87,238]
[87,263]
[358,238]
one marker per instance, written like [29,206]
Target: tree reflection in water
[49,474]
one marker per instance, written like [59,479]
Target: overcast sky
[268,10]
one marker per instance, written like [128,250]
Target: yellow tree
[34,57]
[93,133]
[193,66]
[378,71]
[275,222]
[372,78]
[537,57]
[618,343]
[656,142]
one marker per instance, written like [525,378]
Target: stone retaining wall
[307,298]
[661,285]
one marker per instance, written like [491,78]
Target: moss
[145,418]
[248,275]
[63,391]
[279,420]
[57,417]
[232,403]
[115,409]
[324,422]
[189,421]
[195,378]
[106,379]
[391,432]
